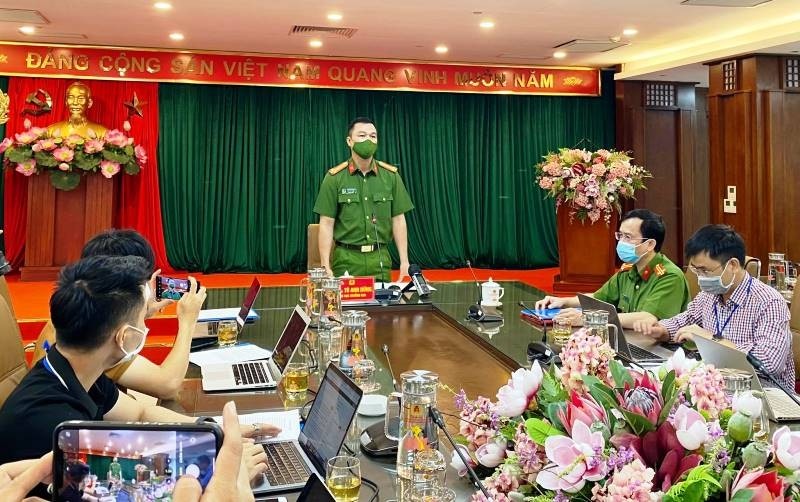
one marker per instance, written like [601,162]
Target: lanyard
[719,332]
[49,367]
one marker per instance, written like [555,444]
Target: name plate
[358,289]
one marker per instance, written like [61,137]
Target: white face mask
[130,355]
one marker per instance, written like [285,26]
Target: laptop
[780,406]
[627,351]
[314,491]
[290,463]
[243,313]
[262,374]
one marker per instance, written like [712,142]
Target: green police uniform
[353,199]
[660,289]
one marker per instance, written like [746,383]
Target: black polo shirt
[48,395]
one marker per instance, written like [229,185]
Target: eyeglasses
[627,237]
[703,272]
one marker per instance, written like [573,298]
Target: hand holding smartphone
[172,288]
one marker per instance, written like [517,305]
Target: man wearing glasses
[732,306]
[647,286]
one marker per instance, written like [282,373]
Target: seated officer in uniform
[360,200]
[647,284]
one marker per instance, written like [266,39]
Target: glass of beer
[227,333]
[343,477]
[295,378]
[560,332]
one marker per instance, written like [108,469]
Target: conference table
[431,334]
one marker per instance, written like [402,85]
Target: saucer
[372,405]
[491,304]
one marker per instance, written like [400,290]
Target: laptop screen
[290,338]
[247,304]
[337,400]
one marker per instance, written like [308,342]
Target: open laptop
[627,351]
[781,408]
[206,330]
[262,374]
[290,463]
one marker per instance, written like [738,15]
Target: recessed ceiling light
[629,32]
[315,43]
[334,16]
[441,49]
[28,30]
[162,5]
[176,36]
[559,54]
[487,24]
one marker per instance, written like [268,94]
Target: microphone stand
[382,294]
[758,365]
[436,416]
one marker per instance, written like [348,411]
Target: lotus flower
[46,144]
[126,126]
[116,137]
[492,453]
[109,168]
[765,486]
[456,462]
[64,154]
[25,137]
[690,428]
[64,166]
[141,154]
[747,404]
[680,364]
[26,123]
[582,409]
[574,460]
[515,397]
[93,146]
[27,167]
[786,445]
[5,144]
[73,140]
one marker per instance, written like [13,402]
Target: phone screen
[130,464]
[171,288]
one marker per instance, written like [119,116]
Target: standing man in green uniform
[361,205]
[648,281]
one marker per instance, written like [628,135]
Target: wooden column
[754,121]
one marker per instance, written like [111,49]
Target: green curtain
[4,88]
[240,168]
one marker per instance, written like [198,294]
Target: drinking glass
[432,494]
[364,375]
[227,333]
[343,477]
[295,377]
[430,468]
[561,331]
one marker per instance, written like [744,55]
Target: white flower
[456,462]
[747,404]
[492,453]
[680,363]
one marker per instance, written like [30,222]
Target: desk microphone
[373,438]
[418,281]
[436,416]
[385,350]
[759,366]
[540,351]
[382,294]
[475,311]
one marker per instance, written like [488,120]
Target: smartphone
[124,461]
[171,288]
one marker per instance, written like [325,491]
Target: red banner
[241,69]
[358,289]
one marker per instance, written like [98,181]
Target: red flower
[765,486]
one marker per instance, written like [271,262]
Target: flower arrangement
[591,183]
[34,151]
[624,435]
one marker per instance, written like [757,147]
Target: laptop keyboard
[782,405]
[640,354]
[251,373]
[285,466]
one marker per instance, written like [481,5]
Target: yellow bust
[78,100]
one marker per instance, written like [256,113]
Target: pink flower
[634,482]
[93,146]
[126,126]
[141,154]
[27,167]
[707,389]
[585,354]
[599,169]
[27,124]
[582,409]
[46,144]
[690,427]
[64,166]
[26,137]
[456,462]
[492,453]
[786,445]
[38,131]
[515,397]
[73,140]
[64,154]
[574,460]
[109,168]
[5,144]
[765,487]
[546,183]
[116,137]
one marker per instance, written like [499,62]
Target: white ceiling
[671,35]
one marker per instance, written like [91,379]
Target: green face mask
[365,149]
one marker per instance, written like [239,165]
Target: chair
[794,325]
[6,295]
[314,260]
[13,366]
[691,280]
[753,266]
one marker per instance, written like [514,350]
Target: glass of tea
[295,377]
[227,333]
[561,331]
[343,477]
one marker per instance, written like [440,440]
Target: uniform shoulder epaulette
[336,170]
[625,267]
[660,270]
[388,167]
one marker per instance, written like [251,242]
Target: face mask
[713,285]
[130,355]
[627,252]
[365,149]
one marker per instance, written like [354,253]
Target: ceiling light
[559,54]
[162,5]
[28,30]
[334,16]
[441,49]
[315,43]
[629,32]
[486,25]
[176,36]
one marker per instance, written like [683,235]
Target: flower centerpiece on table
[624,435]
[33,151]
[590,183]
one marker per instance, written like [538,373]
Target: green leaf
[46,159]
[668,386]
[65,180]
[116,156]
[128,150]
[132,168]
[86,161]
[695,492]
[539,430]
[552,412]
[703,473]
[621,375]
[744,495]
[639,424]
[667,408]
[18,155]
